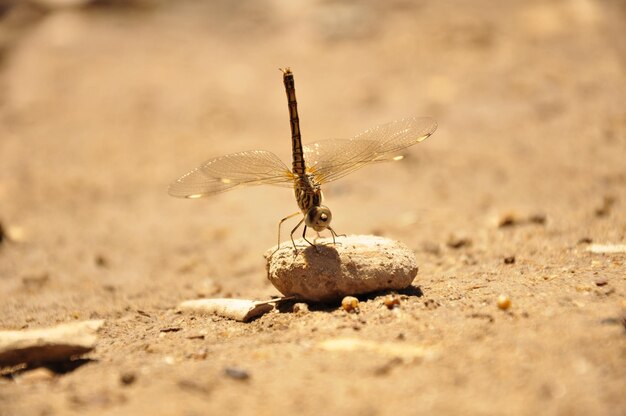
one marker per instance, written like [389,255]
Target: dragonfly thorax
[308,193]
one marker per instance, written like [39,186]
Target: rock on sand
[357,264]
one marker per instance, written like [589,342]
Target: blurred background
[104,103]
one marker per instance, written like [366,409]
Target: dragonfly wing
[329,160]
[255,167]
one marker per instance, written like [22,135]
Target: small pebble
[236,373]
[300,307]
[391,301]
[458,241]
[387,367]
[605,208]
[510,219]
[12,233]
[504,302]
[128,378]
[101,261]
[607,248]
[350,304]
[537,218]
[507,219]
[509,260]
[601,282]
[170,329]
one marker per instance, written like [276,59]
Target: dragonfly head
[318,218]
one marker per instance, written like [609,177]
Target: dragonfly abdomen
[294,121]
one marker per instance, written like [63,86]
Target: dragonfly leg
[281,223]
[305,239]
[293,231]
[334,234]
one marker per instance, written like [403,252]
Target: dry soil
[103,105]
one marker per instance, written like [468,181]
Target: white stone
[607,248]
[357,264]
[238,309]
[56,343]
[62,4]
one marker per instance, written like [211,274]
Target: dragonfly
[313,165]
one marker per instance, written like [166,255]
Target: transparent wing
[329,160]
[255,167]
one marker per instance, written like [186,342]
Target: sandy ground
[103,106]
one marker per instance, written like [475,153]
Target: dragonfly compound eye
[318,218]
